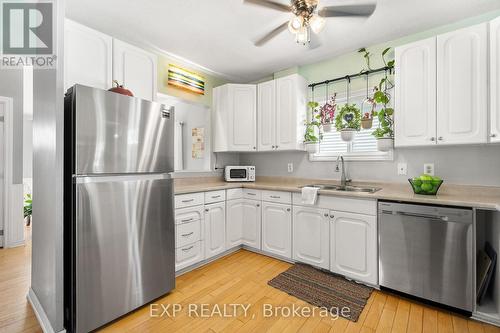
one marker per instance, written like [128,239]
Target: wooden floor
[240,278]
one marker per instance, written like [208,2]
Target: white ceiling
[218,34]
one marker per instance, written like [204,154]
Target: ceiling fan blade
[347,10]
[269,4]
[270,35]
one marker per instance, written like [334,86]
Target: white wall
[28,148]
[478,165]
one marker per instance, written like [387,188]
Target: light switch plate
[402,169]
[290,167]
[429,169]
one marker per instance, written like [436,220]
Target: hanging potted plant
[348,122]
[385,132]
[367,121]
[312,134]
[327,113]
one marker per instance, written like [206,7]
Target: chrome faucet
[343,179]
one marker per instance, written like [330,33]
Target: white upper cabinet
[281,112]
[353,246]
[136,69]
[415,94]
[266,115]
[291,95]
[462,85]
[215,229]
[87,56]
[277,229]
[311,238]
[235,118]
[252,217]
[495,80]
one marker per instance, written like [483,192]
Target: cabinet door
[252,216]
[277,229]
[462,108]
[215,229]
[495,80]
[266,115]
[311,237]
[87,56]
[135,69]
[290,111]
[242,117]
[415,94]
[234,223]
[353,246]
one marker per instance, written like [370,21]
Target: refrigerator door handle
[85,179]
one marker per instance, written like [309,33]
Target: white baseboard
[40,314]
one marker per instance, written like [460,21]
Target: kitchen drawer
[251,194]
[189,200]
[234,193]
[277,196]
[215,196]
[187,233]
[189,214]
[188,255]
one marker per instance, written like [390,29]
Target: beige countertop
[484,197]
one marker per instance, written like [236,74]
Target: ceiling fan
[307,17]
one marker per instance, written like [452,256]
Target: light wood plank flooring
[238,278]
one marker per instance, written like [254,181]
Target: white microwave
[239,173]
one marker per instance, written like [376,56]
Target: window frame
[350,155]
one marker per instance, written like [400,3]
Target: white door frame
[13,193]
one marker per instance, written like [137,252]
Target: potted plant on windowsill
[348,122]
[312,134]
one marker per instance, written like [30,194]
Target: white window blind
[364,145]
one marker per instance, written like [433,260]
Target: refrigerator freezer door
[124,245]
[121,134]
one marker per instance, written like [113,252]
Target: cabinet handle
[186,201]
[187,220]
[440,138]
[273,147]
[493,135]
[275,196]
[188,234]
[277,147]
[254,148]
[207,210]
[258,205]
[249,193]
[215,196]
[187,248]
[433,139]
[332,216]
[288,209]
[326,214]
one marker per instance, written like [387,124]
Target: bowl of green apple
[426,184]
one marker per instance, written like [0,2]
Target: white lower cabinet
[251,223]
[311,238]
[189,248]
[353,246]
[188,255]
[277,229]
[215,229]
[234,223]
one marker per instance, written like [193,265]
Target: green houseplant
[312,135]
[28,208]
[385,132]
[348,121]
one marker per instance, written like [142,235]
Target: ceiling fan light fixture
[303,36]
[296,23]
[317,23]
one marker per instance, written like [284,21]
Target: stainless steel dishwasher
[427,251]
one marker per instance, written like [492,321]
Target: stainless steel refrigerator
[119,218]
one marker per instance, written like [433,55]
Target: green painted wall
[211,82]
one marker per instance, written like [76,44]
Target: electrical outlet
[290,167]
[402,169]
[429,169]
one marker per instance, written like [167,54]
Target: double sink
[346,188]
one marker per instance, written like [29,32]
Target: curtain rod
[349,77]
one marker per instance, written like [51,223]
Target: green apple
[427,187]
[416,181]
